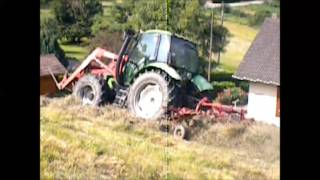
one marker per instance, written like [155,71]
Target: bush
[232,94]
[222,76]
[225,1]
[111,41]
[275,3]
[244,85]
[45,2]
[238,13]
[49,40]
[76,17]
[220,86]
[203,67]
[259,17]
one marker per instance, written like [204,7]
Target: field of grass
[241,37]
[242,15]
[242,34]
[108,143]
[75,51]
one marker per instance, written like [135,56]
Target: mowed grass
[241,37]
[79,142]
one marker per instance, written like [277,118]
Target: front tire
[151,94]
[90,90]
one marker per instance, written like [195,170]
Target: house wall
[262,103]
[47,85]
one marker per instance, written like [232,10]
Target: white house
[261,67]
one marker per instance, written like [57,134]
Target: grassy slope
[242,34]
[101,143]
[241,37]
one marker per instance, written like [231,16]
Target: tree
[186,17]
[107,40]
[45,2]
[49,40]
[226,1]
[75,17]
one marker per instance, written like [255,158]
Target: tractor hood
[201,83]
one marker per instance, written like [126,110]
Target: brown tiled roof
[50,61]
[262,61]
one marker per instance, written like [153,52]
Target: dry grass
[80,142]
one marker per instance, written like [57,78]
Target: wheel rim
[179,132]
[87,95]
[148,101]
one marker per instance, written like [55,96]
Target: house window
[278,102]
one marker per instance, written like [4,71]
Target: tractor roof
[158,31]
[170,34]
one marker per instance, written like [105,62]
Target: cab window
[164,48]
[146,47]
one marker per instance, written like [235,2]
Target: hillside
[107,143]
[237,21]
[241,37]
[81,142]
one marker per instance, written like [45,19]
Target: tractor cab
[160,48]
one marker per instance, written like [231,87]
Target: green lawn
[107,142]
[242,15]
[239,42]
[75,51]
[242,35]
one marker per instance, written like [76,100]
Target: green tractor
[162,72]
[154,71]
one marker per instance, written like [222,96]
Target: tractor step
[121,96]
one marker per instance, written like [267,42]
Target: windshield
[184,55]
[145,47]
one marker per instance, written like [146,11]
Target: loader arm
[96,56]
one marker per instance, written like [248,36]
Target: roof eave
[256,80]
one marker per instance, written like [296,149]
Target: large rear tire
[151,94]
[90,90]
